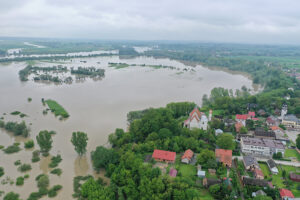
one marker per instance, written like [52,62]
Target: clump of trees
[19,129]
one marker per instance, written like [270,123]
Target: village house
[238,126]
[241,119]
[258,174]
[201,173]
[259,193]
[187,156]
[255,182]
[261,147]
[272,166]
[218,132]
[261,112]
[286,194]
[279,134]
[164,156]
[261,133]
[228,122]
[291,121]
[295,177]
[250,162]
[207,182]
[197,119]
[224,156]
[272,121]
[173,172]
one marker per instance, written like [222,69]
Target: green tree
[79,140]
[102,157]
[44,140]
[11,196]
[243,130]
[225,141]
[261,197]
[298,141]
[205,156]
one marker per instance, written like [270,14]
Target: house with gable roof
[187,156]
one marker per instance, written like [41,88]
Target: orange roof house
[187,156]
[238,126]
[286,194]
[258,174]
[161,155]
[224,156]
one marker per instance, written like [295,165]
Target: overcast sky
[247,21]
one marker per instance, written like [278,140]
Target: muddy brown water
[95,107]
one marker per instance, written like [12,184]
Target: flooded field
[95,107]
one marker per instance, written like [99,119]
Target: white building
[196,119]
[261,146]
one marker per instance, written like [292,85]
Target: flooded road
[95,107]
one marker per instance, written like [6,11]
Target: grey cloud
[251,21]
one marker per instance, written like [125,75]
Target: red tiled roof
[258,172]
[188,154]
[286,193]
[225,156]
[275,128]
[196,110]
[243,117]
[164,155]
[251,114]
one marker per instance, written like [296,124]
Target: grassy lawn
[187,170]
[57,109]
[292,153]
[265,169]
[205,195]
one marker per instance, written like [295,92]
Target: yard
[187,170]
[278,181]
[205,195]
[292,153]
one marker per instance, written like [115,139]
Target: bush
[35,156]
[42,181]
[26,176]
[17,128]
[20,181]
[56,171]
[18,162]
[12,149]
[29,144]
[11,196]
[1,146]
[53,191]
[29,99]
[1,171]
[55,160]
[24,167]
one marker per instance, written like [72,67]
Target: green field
[118,65]
[187,170]
[57,109]
[292,153]
[205,195]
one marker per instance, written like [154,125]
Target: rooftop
[164,155]
[286,193]
[263,142]
[224,156]
[291,118]
[249,160]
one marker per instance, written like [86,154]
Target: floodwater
[95,107]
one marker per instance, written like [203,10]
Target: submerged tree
[79,140]
[45,141]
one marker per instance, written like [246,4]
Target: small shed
[201,173]
[218,132]
[173,172]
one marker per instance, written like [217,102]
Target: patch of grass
[35,156]
[292,153]
[1,146]
[205,195]
[187,170]
[26,176]
[24,167]
[118,65]
[56,171]
[57,109]
[265,169]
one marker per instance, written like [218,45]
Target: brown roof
[224,156]
[188,154]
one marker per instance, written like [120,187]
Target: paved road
[295,164]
